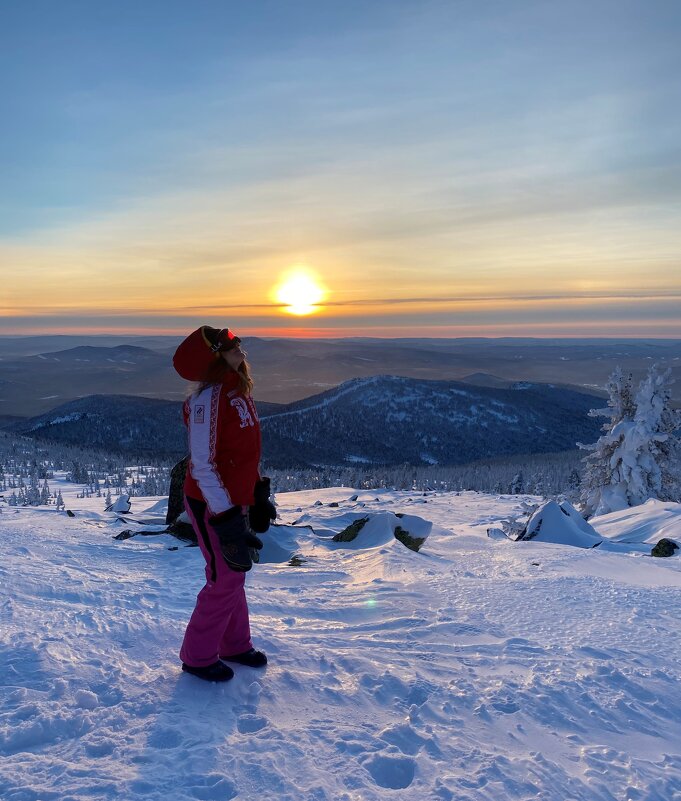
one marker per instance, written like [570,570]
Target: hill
[392,420]
[376,421]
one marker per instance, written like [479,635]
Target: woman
[225,498]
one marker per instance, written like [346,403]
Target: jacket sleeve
[203,425]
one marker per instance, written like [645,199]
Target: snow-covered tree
[637,457]
[45,493]
[574,480]
[599,474]
[651,448]
[517,485]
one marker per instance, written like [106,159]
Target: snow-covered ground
[476,669]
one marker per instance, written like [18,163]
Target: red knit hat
[200,349]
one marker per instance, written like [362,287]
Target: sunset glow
[290,174]
[300,293]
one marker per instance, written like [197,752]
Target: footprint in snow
[165,739]
[507,707]
[248,724]
[391,772]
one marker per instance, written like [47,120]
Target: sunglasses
[226,340]
[230,345]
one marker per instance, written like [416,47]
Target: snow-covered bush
[637,457]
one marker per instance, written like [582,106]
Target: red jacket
[224,446]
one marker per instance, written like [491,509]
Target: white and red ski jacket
[224,446]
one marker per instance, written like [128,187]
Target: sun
[300,292]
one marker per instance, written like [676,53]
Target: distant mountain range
[34,384]
[384,420]
[35,375]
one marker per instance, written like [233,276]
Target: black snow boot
[250,658]
[215,672]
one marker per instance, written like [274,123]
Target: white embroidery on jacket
[246,419]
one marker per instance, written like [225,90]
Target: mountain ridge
[380,420]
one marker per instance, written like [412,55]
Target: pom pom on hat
[198,352]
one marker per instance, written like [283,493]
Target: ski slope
[475,670]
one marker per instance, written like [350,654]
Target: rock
[182,530]
[413,543]
[665,547]
[176,516]
[124,535]
[176,491]
[564,526]
[334,504]
[350,533]
[70,513]
[121,505]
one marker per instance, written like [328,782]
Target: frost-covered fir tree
[574,480]
[651,449]
[517,485]
[637,456]
[600,475]
[33,496]
[45,493]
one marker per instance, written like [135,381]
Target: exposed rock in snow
[121,504]
[665,547]
[497,534]
[371,531]
[552,523]
[176,491]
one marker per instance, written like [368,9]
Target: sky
[460,168]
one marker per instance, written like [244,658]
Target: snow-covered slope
[474,670]
[646,523]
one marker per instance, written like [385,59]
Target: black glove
[263,510]
[236,539]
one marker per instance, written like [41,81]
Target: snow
[67,418]
[121,504]
[474,670]
[649,523]
[552,523]
[159,508]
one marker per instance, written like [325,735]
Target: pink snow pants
[219,625]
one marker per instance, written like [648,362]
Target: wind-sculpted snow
[474,670]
